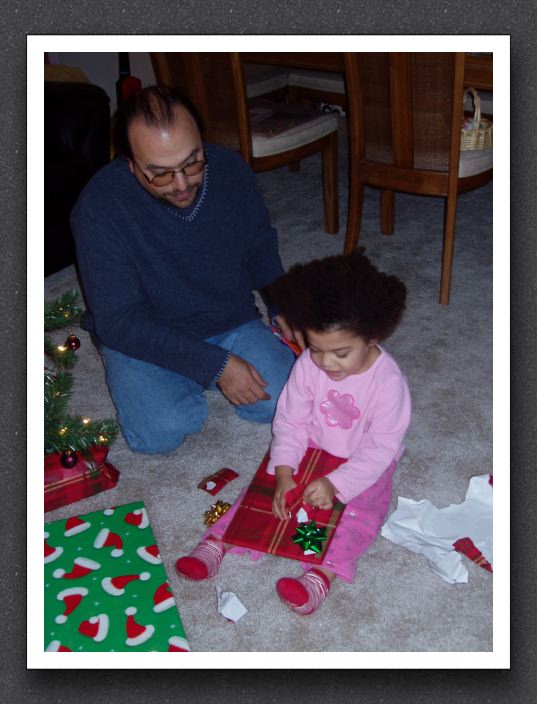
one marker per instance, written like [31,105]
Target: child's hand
[290,333]
[320,493]
[284,483]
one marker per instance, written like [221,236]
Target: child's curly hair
[340,292]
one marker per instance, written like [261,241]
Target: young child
[345,395]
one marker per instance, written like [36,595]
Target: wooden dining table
[477,67]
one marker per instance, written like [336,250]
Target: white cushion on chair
[327,81]
[475,161]
[277,128]
[263,79]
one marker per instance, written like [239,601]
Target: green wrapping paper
[105,585]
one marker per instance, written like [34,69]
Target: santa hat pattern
[177,644]
[75,525]
[51,553]
[82,566]
[163,598]
[56,647]
[138,518]
[150,553]
[136,634]
[106,539]
[71,598]
[95,628]
[109,511]
[115,586]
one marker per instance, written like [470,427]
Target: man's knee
[163,434]
[151,445]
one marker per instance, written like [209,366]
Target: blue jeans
[157,408]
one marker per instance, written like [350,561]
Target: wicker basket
[480,135]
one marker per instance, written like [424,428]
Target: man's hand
[284,483]
[241,383]
[320,493]
[291,334]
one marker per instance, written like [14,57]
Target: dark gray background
[275,17]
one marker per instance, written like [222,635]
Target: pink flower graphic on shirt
[339,410]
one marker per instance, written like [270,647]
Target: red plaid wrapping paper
[88,477]
[255,526]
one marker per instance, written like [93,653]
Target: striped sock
[305,594]
[203,562]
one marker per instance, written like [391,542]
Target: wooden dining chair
[404,117]
[268,134]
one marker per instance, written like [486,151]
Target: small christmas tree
[66,434]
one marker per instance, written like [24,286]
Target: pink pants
[358,527]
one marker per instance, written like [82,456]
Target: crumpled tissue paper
[422,528]
[229,605]
[302,516]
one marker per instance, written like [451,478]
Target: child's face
[340,353]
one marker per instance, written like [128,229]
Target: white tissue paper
[430,531]
[229,605]
[302,516]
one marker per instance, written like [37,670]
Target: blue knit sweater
[159,280]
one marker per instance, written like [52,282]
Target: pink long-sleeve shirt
[362,418]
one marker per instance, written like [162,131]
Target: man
[172,238]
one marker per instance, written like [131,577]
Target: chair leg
[330,184]
[450,211]
[355,209]
[387,212]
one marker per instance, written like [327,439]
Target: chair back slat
[401,110]
[432,106]
[169,69]
[219,99]
[373,75]
[241,105]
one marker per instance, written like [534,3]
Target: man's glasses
[165,178]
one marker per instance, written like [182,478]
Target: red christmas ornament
[72,342]
[68,459]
